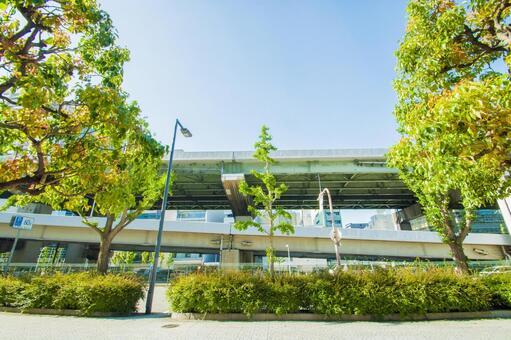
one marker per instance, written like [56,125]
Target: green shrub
[10,290]
[100,293]
[403,291]
[500,287]
[41,291]
[87,292]
[236,293]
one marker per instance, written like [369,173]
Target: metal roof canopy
[357,178]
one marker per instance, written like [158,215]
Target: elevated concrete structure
[357,178]
[207,237]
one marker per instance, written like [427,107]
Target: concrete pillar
[28,252]
[230,259]
[246,256]
[75,253]
[239,203]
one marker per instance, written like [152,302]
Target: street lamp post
[152,276]
[335,235]
[288,259]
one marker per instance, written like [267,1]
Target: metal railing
[166,274]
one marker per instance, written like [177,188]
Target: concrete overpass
[357,178]
[207,237]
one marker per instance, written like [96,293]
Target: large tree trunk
[104,254]
[455,240]
[459,257]
[107,234]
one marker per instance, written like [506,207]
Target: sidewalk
[19,326]
[160,304]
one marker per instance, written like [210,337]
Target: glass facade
[487,221]
[149,216]
[323,218]
[191,215]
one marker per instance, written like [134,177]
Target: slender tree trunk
[104,254]
[271,258]
[459,257]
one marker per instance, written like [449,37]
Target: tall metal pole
[152,277]
[11,254]
[288,259]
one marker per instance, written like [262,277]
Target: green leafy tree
[454,111]
[126,183]
[123,258]
[264,198]
[147,257]
[170,259]
[60,87]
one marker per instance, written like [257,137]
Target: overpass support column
[246,256]
[239,203]
[230,259]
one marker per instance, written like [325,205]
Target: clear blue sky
[318,73]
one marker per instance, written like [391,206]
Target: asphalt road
[20,326]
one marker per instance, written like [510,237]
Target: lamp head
[186,132]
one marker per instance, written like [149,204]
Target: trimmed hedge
[237,292]
[500,287]
[87,292]
[403,291]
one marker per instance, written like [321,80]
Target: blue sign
[21,222]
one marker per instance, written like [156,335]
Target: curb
[62,312]
[494,314]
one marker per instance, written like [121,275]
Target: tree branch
[91,224]
[465,230]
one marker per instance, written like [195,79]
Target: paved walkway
[160,304]
[18,326]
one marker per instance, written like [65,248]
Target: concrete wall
[28,252]
[307,241]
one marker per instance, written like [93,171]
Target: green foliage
[454,110]
[86,292]
[235,293]
[123,257]
[265,196]
[122,184]
[10,291]
[147,257]
[402,291]
[500,286]
[126,182]
[60,92]
[169,261]
[70,135]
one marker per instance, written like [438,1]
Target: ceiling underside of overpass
[196,188]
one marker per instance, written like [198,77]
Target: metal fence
[166,274]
